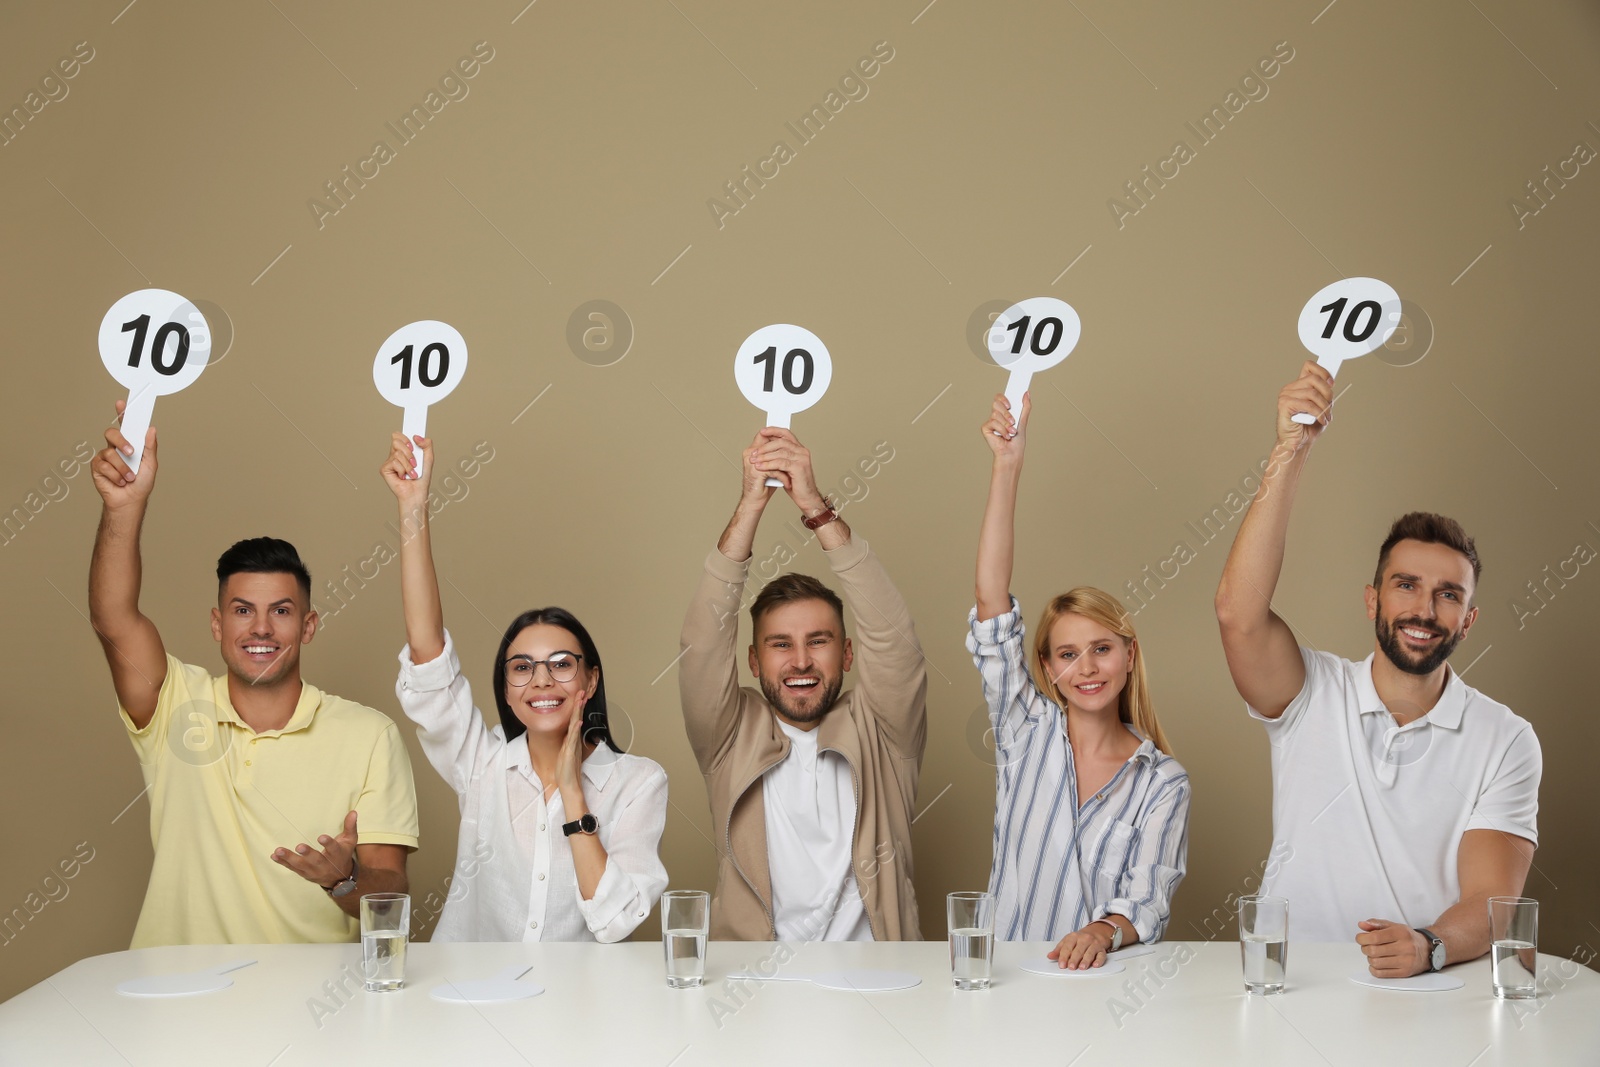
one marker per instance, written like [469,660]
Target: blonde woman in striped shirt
[1091,810]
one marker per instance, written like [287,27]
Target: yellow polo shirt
[223,797]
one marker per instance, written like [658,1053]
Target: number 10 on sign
[154,342]
[1030,336]
[782,369]
[1350,318]
[418,366]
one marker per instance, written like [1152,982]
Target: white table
[608,1004]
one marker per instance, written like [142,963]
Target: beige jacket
[879,727]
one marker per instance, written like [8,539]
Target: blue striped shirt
[1058,866]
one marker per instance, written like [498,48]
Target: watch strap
[822,518]
[1435,943]
[345,885]
[583,824]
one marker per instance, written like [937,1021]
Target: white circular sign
[154,342]
[1350,318]
[420,364]
[783,369]
[1034,334]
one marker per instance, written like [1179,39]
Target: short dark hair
[597,722]
[263,555]
[1431,529]
[789,588]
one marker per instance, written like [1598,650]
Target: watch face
[588,824]
[1437,956]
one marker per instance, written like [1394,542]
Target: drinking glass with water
[1514,941]
[385,930]
[685,923]
[1264,943]
[971,918]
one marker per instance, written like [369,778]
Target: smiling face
[261,620]
[799,656]
[1421,610]
[1088,662]
[543,704]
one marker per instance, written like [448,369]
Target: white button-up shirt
[810,802]
[1367,816]
[514,878]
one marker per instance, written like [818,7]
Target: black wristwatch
[585,823]
[1435,949]
[346,885]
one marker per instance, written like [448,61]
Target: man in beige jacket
[812,791]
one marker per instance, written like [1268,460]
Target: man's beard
[780,698]
[1389,641]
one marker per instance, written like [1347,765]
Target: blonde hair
[1133,703]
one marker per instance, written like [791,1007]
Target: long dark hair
[596,726]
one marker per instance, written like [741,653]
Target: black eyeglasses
[563,667]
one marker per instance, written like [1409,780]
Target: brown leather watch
[821,519]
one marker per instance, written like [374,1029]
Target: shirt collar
[596,769]
[1147,750]
[1446,713]
[305,709]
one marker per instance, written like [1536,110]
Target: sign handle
[1330,365]
[414,425]
[779,419]
[1016,385]
[136,416]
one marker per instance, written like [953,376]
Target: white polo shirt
[1367,816]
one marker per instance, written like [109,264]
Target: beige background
[977,168]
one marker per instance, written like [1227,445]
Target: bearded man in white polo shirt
[1402,798]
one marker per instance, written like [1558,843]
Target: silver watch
[346,885]
[1435,949]
[1116,933]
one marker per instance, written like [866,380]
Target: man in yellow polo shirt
[244,770]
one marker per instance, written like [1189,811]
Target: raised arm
[892,672]
[1263,656]
[739,536]
[779,454]
[708,672]
[1006,437]
[132,645]
[432,691]
[419,583]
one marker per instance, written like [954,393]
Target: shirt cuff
[998,630]
[847,555]
[435,674]
[612,897]
[1529,834]
[1146,923]
[385,837]
[728,570]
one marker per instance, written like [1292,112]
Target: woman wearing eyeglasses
[559,828]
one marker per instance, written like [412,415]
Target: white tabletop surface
[609,1004]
